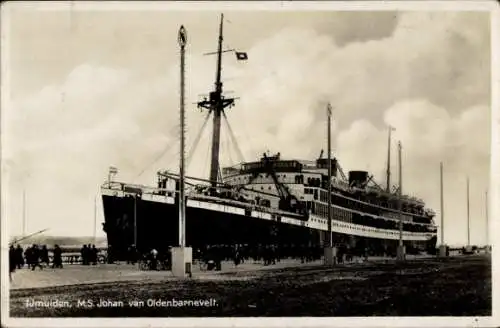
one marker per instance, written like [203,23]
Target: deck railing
[120,186]
[129,188]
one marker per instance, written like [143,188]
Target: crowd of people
[213,255]
[33,257]
[37,256]
[89,254]
[270,254]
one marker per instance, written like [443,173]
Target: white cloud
[428,136]
[67,135]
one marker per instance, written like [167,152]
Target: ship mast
[388,187]
[442,203]
[400,195]
[95,220]
[24,213]
[487,220]
[330,239]
[401,248]
[216,105]
[468,213]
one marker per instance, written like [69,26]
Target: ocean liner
[283,202]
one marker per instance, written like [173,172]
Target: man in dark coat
[19,257]
[95,253]
[44,255]
[89,254]
[57,260]
[12,261]
[84,253]
[35,258]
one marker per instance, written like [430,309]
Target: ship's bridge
[266,163]
[277,164]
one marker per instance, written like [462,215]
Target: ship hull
[156,225]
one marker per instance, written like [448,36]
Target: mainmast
[216,104]
[388,187]
[330,239]
[329,251]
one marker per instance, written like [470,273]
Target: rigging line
[173,158]
[163,153]
[234,142]
[196,141]
[155,161]
[238,150]
[207,157]
[222,150]
[228,146]
[226,150]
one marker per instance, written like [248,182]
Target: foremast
[216,104]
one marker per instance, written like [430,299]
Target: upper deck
[302,177]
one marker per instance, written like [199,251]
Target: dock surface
[455,286]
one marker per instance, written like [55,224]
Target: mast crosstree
[216,104]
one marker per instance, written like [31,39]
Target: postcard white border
[491,6]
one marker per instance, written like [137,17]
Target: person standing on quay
[19,257]
[12,261]
[44,255]
[57,261]
[34,257]
[95,253]
[84,253]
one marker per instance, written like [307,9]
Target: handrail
[121,186]
[374,205]
[246,205]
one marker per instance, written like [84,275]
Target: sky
[88,89]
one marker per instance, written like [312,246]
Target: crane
[288,202]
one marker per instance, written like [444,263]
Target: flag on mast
[329,109]
[182,36]
[241,55]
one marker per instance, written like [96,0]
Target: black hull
[157,227]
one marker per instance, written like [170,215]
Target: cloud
[359,26]
[427,75]
[429,135]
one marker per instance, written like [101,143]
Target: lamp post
[182,255]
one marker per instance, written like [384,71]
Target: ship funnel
[358,178]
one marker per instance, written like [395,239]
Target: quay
[454,286]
